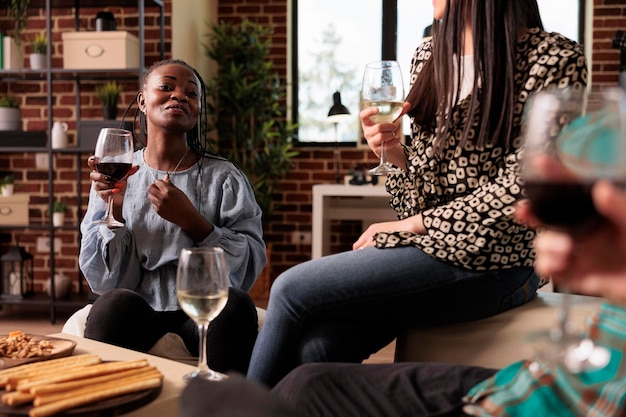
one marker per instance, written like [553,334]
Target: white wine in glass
[565,152]
[383,88]
[202,289]
[114,157]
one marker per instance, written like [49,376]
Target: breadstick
[81,373]
[17,398]
[10,381]
[42,399]
[47,365]
[63,386]
[96,395]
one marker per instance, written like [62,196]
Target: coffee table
[167,403]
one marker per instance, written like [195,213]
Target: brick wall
[608,17]
[33,100]
[293,196]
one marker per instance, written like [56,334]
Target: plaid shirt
[538,389]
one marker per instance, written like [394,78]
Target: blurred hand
[593,263]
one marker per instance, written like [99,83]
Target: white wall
[189,29]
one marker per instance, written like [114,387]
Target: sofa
[495,341]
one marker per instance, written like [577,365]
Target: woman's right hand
[389,133]
[106,186]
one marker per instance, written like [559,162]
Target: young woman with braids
[177,195]
[455,253]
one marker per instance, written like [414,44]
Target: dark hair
[197,137]
[496,27]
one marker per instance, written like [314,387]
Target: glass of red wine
[114,157]
[566,151]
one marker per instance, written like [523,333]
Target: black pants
[340,390]
[380,390]
[123,318]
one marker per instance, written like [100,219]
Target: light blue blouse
[143,255]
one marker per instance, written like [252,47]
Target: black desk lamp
[337,113]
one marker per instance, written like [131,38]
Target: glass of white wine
[383,88]
[202,290]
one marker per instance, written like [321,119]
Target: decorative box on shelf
[14,210]
[100,50]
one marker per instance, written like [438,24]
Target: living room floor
[37,321]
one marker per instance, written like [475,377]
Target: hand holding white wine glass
[383,88]
[114,158]
[565,153]
[202,291]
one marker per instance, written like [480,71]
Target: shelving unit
[50,76]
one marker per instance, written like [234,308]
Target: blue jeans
[344,307]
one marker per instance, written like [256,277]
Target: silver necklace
[167,173]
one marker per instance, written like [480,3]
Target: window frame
[388,51]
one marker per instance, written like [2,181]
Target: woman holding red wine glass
[177,194]
[566,152]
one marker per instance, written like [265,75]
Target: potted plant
[109,94]
[58,213]
[245,99]
[10,116]
[7,185]
[39,51]
[18,12]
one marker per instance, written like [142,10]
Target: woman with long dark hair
[455,253]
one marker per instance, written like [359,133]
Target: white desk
[166,404]
[367,203]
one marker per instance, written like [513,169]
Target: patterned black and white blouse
[467,195]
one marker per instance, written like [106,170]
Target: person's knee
[117,300]
[240,307]
[305,378]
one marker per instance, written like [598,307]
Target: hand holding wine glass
[114,157]
[565,153]
[383,88]
[202,290]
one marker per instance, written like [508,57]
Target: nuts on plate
[18,345]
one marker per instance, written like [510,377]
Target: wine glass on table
[202,290]
[565,152]
[383,88]
[114,157]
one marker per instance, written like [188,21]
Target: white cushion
[75,325]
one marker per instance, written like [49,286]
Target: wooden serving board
[60,348]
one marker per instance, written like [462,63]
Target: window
[333,43]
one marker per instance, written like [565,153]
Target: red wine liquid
[116,170]
[564,205]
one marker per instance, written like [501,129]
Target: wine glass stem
[383,153]
[202,355]
[109,209]
[564,313]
